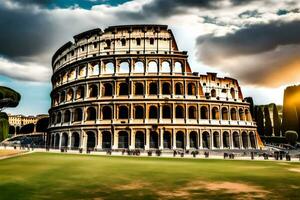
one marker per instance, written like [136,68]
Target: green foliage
[291,137]
[268,123]
[28,128]
[260,122]
[9,97]
[42,125]
[276,121]
[4,129]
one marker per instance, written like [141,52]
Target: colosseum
[129,87]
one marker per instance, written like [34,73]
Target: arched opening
[166,112]
[151,41]
[80,92]
[139,89]
[138,112]
[75,139]
[252,140]
[152,67]
[180,140]
[216,138]
[108,89]
[64,140]
[82,71]
[78,115]
[139,140]
[106,140]
[193,140]
[153,140]
[204,112]
[123,140]
[108,44]
[58,117]
[109,68]
[138,41]
[192,112]
[165,67]
[123,42]
[62,96]
[67,116]
[213,93]
[153,113]
[232,93]
[205,140]
[153,88]
[167,140]
[57,139]
[139,67]
[247,114]
[241,114]
[245,140]
[123,89]
[93,91]
[70,95]
[224,113]
[191,89]
[123,112]
[52,141]
[179,112]
[106,112]
[166,88]
[226,140]
[236,140]
[178,67]
[178,89]
[215,113]
[233,114]
[124,67]
[91,113]
[91,140]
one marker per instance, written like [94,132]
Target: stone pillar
[231,140]
[132,140]
[147,145]
[200,140]
[240,141]
[115,140]
[221,139]
[69,140]
[187,140]
[99,140]
[174,139]
[248,139]
[161,139]
[211,145]
[60,140]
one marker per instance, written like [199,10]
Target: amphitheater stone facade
[129,87]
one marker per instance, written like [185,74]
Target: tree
[28,128]
[8,98]
[276,121]
[268,123]
[42,125]
[291,137]
[260,122]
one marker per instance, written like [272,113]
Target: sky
[254,41]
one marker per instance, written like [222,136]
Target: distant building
[17,121]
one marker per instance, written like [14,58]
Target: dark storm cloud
[255,52]
[254,39]
[35,2]
[23,33]
[167,8]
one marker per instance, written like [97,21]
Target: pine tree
[260,122]
[276,121]
[268,123]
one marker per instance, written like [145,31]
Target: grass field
[61,177]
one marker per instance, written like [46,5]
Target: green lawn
[61,177]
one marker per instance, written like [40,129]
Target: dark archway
[67,116]
[191,89]
[91,113]
[213,93]
[78,114]
[233,114]
[153,112]
[167,140]
[139,89]
[153,140]
[107,89]
[106,140]
[204,112]
[166,88]
[93,91]
[123,140]
[224,113]
[123,112]
[153,89]
[252,140]
[236,140]
[178,89]
[57,140]
[91,140]
[106,112]
[138,112]
[215,113]
[179,112]
[216,138]
[75,140]
[166,112]
[180,140]
[226,140]
[80,92]
[206,140]
[192,112]
[123,89]
[245,140]
[139,140]
[194,140]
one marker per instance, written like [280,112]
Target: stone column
[147,145]
[60,140]
[161,138]
[221,139]
[187,139]
[174,139]
[69,140]
[99,141]
[115,141]
[132,140]
[200,140]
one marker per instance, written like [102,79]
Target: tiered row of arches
[155,140]
[151,111]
